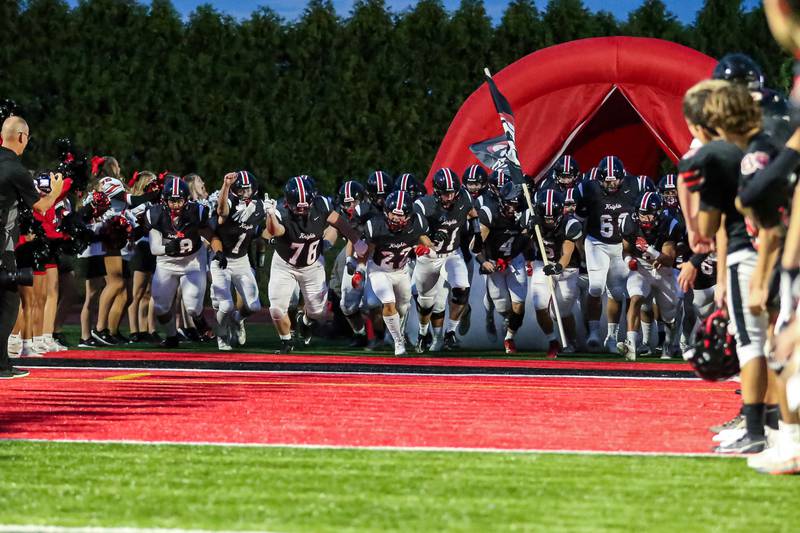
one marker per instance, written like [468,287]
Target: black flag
[507,121]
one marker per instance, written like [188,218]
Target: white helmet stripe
[398,209]
[301,191]
[548,208]
[645,199]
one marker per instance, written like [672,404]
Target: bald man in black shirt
[16,189]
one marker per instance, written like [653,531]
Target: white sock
[510,335]
[647,332]
[451,325]
[437,333]
[286,337]
[633,337]
[613,330]
[37,339]
[393,325]
[47,337]
[594,326]
[27,344]
[423,329]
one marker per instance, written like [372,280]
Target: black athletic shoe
[463,325]
[374,345]
[139,337]
[424,342]
[359,341]
[450,341]
[192,334]
[11,373]
[304,330]
[120,338]
[287,346]
[747,444]
[104,337]
[61,339]
[170,342]
[153,337]
[491,329]
[88,343]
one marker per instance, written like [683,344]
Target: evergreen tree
[653,19]
[567,20]
[719,28]
[520,33]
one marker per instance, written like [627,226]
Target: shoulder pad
[486,215]
[573,229]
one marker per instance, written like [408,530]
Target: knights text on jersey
[507,236]
[241,225]
[569,229]
[185,227]
[604,213]
[445,225]
[393,247]
[301,244]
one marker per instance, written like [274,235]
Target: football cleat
[359,341]
[287,346]
[400,347]
[222,344]
[510,346]
[746,445]
[170,342]
[241,332]
[610,344]
[491,328]
[463,325]
[304,329]
[450,341]
[424,342]
[627,350]
[552,350]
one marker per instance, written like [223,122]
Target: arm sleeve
[156,244]
[759,182]
[23,183]
[697,259]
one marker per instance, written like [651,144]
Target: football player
[560,236]
[177,227]
[564,175]
[239,216]
[300,226]
[476,181]
[408,182]
[668,189]
[650,248]
[391,239]
[447,213]
[351,196]
[505,236]
[605,206]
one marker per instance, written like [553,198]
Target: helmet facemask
[396,220]
[475,188]
[670,197]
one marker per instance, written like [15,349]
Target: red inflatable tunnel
[590,98]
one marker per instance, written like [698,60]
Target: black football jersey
[301,245]
[604,213]
[637,185]
[445,226]
[569,229]
[241,225]
[666,230]
[507,236]
[392,248]
[186,227]
[707,273]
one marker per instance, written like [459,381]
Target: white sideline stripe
[62,529]
[339,373]
[454,449]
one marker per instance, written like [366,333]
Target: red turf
[368,410]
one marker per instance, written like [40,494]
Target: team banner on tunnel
[492,152]
[511,161]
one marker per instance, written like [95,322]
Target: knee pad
[595,292]
[277,313]
[225,307]
[424,310]
[439,315]
[515,320]
[459,296]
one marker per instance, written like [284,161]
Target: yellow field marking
[125,377]
[438,386]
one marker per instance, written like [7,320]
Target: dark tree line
[324,95]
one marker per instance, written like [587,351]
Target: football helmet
[550,207]
[714,355]
[408,182]
[351,193]
[175,194]
[739,68]
[379,185]
[570,205]
[510,199]
[611,172]
[298,195]
[398,210]
[497,179]
[245,186]
[668,189]
[566,172]
[648,210]
[475,179]
[446,187]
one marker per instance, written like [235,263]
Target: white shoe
[610,344]
[41,347]
[594,343]
[29,351]
[400,348]
[627,349]
[437,345]
[782,457]
[14,345]
[222,344]
[729,435]
[241,333]
[53,346]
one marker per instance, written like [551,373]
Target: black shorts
[64,264]
[24,256]
[95,266]
[143,260]
[126,269]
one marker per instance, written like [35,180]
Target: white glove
[243,213]
[270,205]
[360,247]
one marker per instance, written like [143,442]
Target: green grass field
[282,489]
